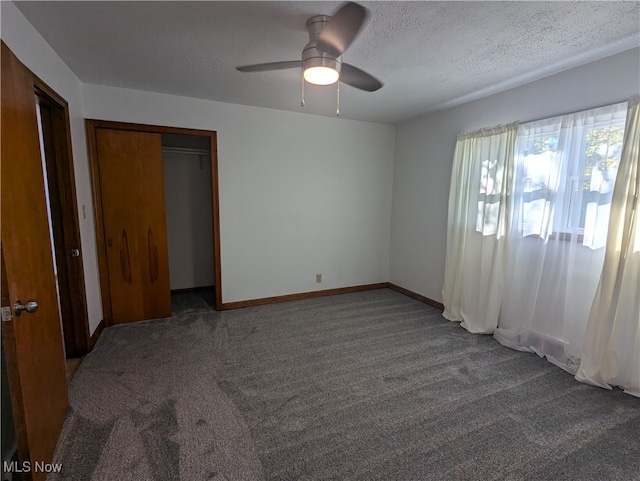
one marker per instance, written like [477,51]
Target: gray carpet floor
[362,386]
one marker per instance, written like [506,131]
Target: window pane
[566,171]
[539,178]
[603,151]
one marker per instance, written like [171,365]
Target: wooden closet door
[133,211]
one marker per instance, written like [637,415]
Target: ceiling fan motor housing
[311,55]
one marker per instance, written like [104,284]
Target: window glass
[565,174]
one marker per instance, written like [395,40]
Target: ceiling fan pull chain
[302,80]
[338,100]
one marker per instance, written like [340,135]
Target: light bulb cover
[320,69]
[321,75]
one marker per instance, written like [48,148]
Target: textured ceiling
[428,54]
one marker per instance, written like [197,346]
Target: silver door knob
[31,306]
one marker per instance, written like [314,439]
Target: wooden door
[135,230]
[33,341]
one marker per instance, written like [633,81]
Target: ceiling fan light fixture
[329,38]
[321,75]
[319,68]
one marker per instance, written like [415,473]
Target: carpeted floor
[365,386]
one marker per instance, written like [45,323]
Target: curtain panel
[478,221]
[543,241]
[611,354]
[565,170]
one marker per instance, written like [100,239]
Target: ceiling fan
[329,37]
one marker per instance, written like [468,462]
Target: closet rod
[181,150]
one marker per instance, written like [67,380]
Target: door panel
[33,341]
[133,211]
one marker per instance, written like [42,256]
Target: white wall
[299,194]
[39,57]
[187,193]
[424,153]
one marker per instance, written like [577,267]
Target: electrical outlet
[318,278]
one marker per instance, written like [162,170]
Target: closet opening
[189,210]
[156,206]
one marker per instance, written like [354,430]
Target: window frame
[561,223]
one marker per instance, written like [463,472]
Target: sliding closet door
[135,231]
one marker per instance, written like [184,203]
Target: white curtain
[565,170]
[611,353]
[477,226]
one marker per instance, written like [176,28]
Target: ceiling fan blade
[359,78]
[263,67]
[342,29]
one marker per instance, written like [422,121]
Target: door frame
[56,132]
[92,125]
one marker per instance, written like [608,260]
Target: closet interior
[188,203]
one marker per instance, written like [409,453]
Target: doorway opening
[188,206]
[64,229]
[130,154]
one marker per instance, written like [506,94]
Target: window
[565,173]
